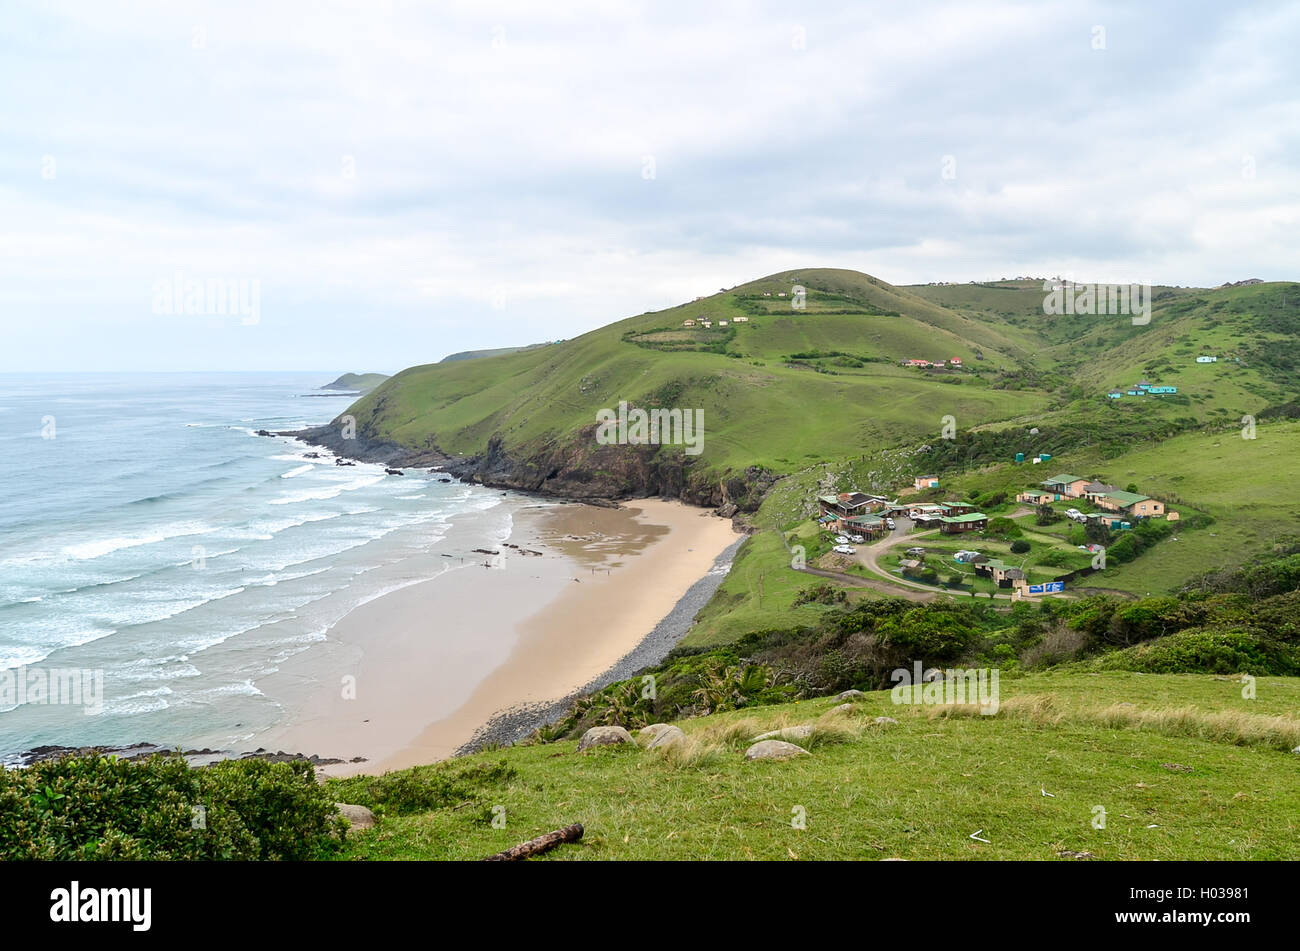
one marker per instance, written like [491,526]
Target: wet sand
[410,676]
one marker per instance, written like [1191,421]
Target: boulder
[359,817]
[800,732]
[842,708]
[667,737]
[774,749]
[653,730]
[604,736]
[848,695]
[885,721]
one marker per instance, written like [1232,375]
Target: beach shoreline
[485,653]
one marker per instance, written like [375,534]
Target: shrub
[1207,651]
[1046,515]
[421,788]
[103,807]
[1004,526]
[1020,546]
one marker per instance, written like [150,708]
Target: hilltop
[362,382]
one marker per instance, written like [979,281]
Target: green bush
[1004,527]
[1020,546]
[103,807]
[1207,651]
[422,788]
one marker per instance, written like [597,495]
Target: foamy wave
[297,472]
[97,548]
[322,494]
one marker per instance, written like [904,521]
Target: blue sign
[1049,588]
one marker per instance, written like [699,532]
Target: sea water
[147,532]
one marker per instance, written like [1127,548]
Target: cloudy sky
[399,180]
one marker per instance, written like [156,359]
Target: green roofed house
[1140,506]
[1065,485]
[957,524]
[1034,497]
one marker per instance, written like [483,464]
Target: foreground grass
[1192,770]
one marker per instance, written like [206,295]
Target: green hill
[364,382]
[782,388]
[479,354]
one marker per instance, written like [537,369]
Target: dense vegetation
[103,807]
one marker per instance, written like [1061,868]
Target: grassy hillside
[364,382]
[480,354]
[760,406]
[1183,766]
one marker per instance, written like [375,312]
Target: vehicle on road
[889,523]
[846,549]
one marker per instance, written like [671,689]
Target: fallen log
[543,843]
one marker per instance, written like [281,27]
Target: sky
[379,184]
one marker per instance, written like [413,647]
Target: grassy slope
[767,414]
[916,790]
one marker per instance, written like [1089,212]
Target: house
[958,524]
[707,323]
[1094,489]
[688,322]
[937,364]
[862,525]
[1160,390]
[925,512]
[780,293]
[958,508]
[742,319]
[1003,575]
[926,482]
[1064,486]
[1115,394]
[722,323]
[848,504]
[954,361]
[916,363]
[767,293]
[1138,506]
[910,564]
[1143,385]
[1111,520]
[1207,359]
[1135,392]
[1034,497]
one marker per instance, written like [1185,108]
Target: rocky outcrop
[577,468]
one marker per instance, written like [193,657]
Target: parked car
[846,549]
[856,539]
[841,539]
[889,523]
[916,551]
[1076,515]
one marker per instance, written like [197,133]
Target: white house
[1207,359]
[740,320]
[688,322]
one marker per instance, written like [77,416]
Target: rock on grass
[774,749]
[604,736]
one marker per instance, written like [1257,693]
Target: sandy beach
[409,677]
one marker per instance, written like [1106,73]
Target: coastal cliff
[578,469]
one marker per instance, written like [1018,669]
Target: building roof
[867,520]
[1126,499]
[957,519]
[1064,477]
[1099,487]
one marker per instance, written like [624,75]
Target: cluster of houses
[869,515]
[1120,506]
[951,362]
[706,322]
[1145,388]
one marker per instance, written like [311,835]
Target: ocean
[152,539]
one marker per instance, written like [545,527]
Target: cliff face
[577,468]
